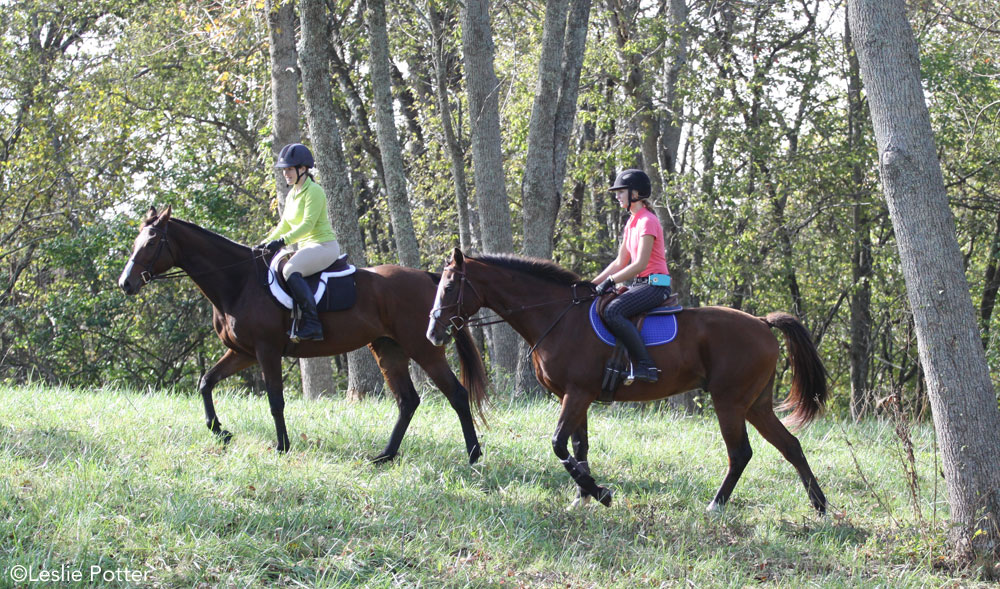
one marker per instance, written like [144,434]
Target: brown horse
[726,352]
[255,328]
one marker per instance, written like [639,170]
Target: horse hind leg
[395,368]
[734,433]
[762,417]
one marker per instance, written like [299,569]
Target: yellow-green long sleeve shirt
[304,218]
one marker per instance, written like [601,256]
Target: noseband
[147,274]
[459,319]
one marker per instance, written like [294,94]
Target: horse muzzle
[437,335]
[127,283]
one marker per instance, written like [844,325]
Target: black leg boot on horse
[308,327]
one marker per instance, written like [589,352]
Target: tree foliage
[112,105]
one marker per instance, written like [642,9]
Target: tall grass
[136,485]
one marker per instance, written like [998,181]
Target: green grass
[135,481]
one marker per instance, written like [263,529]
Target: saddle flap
[332,287]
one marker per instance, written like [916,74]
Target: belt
[661,280]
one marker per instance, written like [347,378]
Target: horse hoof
[382,458]
[604,496]
[475,454]
[715,508]
[225,436]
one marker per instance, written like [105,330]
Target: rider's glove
[607,286]
[272,246]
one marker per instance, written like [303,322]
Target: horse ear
[151,215]
[457,258]
[164,217]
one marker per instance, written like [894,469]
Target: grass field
[104,487]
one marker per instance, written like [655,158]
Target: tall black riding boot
[642,366]
[309,327]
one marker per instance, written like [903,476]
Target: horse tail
[808,394]
[473,373]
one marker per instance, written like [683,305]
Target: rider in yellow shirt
[305,229]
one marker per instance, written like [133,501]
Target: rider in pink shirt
[641,259]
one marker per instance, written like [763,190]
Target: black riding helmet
[294,155]
[633,179]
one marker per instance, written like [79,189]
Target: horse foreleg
[230,363]
[574,413]
[270,365]
[581,446]
[458,396]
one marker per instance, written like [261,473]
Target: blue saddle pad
[656,329]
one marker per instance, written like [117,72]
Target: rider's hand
[607,286]
[274,245]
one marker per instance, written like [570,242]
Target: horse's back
[724,330]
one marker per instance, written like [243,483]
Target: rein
[148,276]
[459,321]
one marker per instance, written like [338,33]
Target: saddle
[333,287]
[657,326]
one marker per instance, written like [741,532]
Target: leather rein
[460,320]
[147,275]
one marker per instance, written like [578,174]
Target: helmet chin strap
[298,176]
[631,200]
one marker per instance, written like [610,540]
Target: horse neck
[528,304]
[217,265]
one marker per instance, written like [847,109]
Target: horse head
[452,309]
[151,253]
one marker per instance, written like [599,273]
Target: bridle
[460,319]
[147,275]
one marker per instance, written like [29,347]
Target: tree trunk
[861,247]
[962,397]
[388,140]
[453,143]
[316,373]
[636,83]
[482,87]
[539,191]
[563,42]
[667,151]
[363,373]
[284,83]
[992,285]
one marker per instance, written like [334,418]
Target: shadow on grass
[50,446]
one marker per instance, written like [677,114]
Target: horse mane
[206,232]
[543,269]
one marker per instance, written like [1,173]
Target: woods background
[749,115]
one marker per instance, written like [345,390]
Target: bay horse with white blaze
[726,352]
[255,328]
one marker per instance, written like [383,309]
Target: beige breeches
[311,258]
